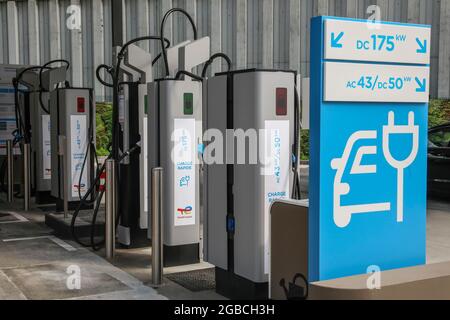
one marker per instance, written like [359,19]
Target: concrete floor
[34,263]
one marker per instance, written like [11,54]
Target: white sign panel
[79,145]
[382,42]
[46,148]
[375,83]
[7,117]
[276,174]
[184,155]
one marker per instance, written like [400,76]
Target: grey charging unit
[238,196]
[41,128]
[72,124]
[38,122]
[133,204]
[174,136]
[174,118]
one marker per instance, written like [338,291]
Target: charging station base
[83,227]
[44,197]
[181,255]
[235,287]
[71,205]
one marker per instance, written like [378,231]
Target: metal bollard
[62,140]
[26,176]
[157,226]
[10,161]
[111,207]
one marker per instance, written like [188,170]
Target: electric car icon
[342,215]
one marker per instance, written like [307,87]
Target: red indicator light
[80,105]
[281,103]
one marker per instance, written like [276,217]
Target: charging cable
[163,23]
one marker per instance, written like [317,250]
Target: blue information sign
[369,114]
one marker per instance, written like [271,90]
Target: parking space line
[56,240]
[20,218]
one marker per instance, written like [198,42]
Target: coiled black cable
[189,74]
[211,60]
[90,191]
[163,23]
[109,70]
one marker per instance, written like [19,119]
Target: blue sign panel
[368,165]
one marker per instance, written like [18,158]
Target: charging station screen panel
[46,148]
[79,148]
[184,161]
[276,174]
[368,162]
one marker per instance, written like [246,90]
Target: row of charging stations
[172,115]
[168,119]
[56,120]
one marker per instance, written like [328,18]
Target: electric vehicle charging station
[72,124]
[174,133]
[238,196]
[41,128]
[133,120]
[40,147]
[369,119]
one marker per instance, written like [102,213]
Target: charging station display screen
[184,159]
[79,145]
[276,174]
[46,148]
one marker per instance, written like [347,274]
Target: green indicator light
[188,104]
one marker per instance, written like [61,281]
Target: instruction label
[183,157]
[46,148]
[364,40]
[79,147]
[276,174]
[376,83]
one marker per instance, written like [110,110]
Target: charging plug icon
[400,165]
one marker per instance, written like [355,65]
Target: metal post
[157,223]
[111,201]
[62,153]
[26,176]
[10,160]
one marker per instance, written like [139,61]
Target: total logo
[186,211]
[81,186]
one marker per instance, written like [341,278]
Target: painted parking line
[19,218]
[56,240]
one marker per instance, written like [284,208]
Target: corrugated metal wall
[255,33]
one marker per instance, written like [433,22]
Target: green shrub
[439,112]
[104,128]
